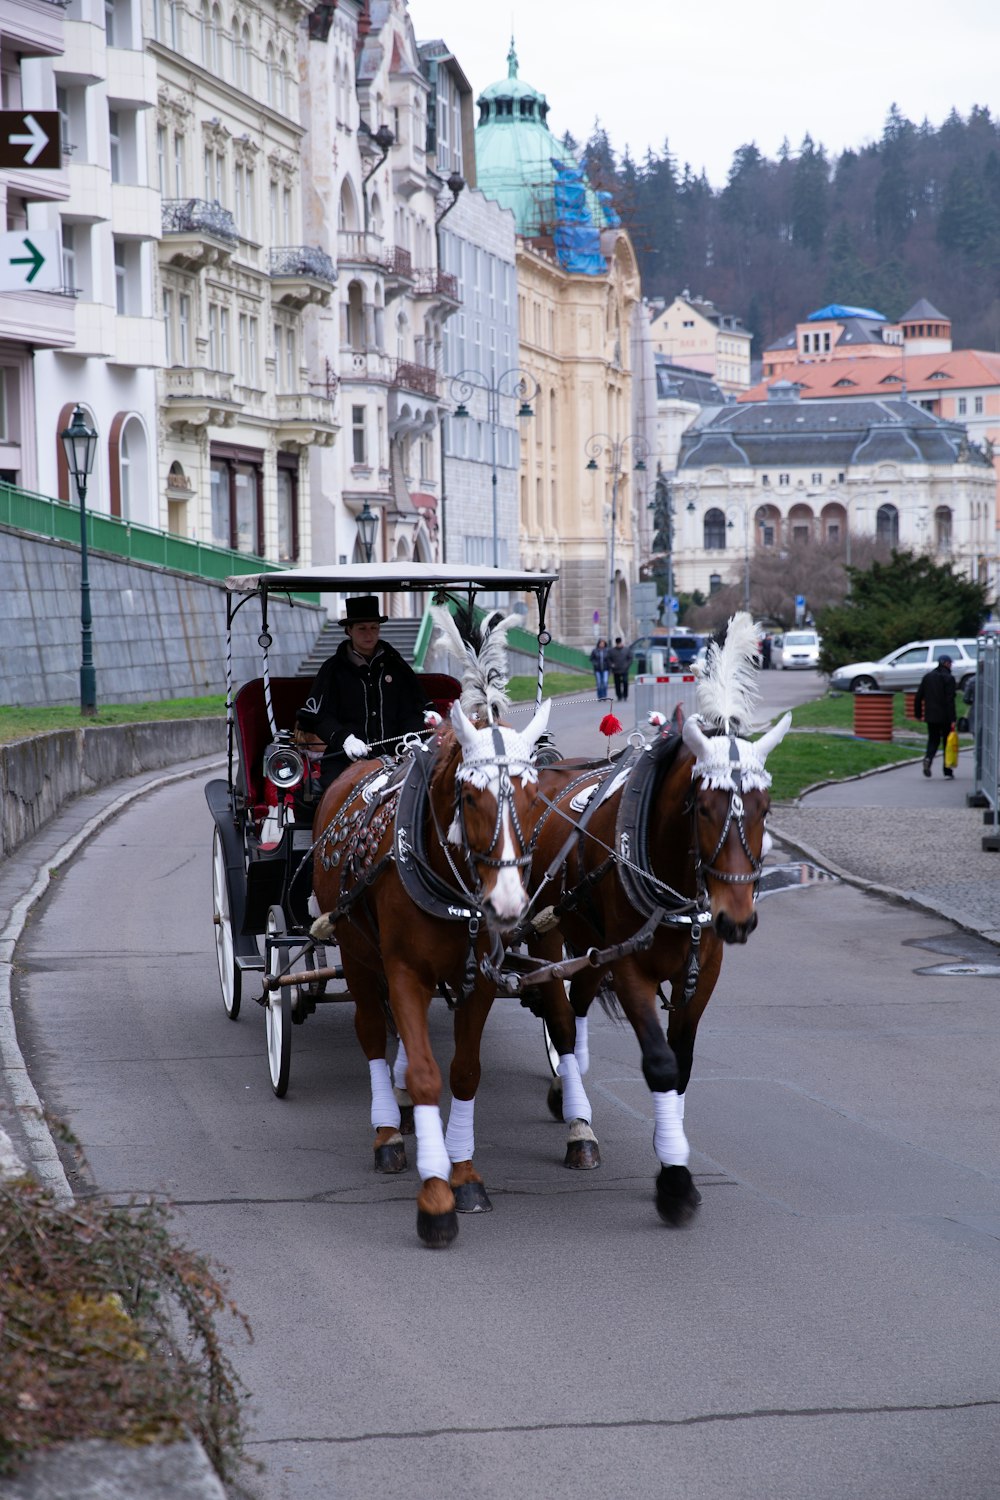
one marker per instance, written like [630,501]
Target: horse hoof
[406,1119]
[471,1198]
[554,1099]
[437,1230]
[582,1151]
[390,1157]
[677,1198]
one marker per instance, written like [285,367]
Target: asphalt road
[828,1327]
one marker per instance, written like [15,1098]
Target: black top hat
[363,609]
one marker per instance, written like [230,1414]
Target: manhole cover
[963,971]
[796,877]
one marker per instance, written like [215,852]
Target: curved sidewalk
[899,834]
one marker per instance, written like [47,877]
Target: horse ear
[773,737]
[696,742]
[465,731]
[539,724]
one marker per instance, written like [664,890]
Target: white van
[796,648]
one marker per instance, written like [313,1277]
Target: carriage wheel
[230,976]
[278,1012]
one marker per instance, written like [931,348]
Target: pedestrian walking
[601,665]
[620,659]
[765,654]
[935,704]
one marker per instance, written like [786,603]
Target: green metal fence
[58,521]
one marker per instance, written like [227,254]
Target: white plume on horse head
[727,691]
[713,756]
[484,673]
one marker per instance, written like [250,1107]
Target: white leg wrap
[582,1049]
[669,1140]
[576,1105]
[432,1158]
[460,1138]
[400,1066]
[385,1110]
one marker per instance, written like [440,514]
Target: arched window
[942,528]
[714,582]
[270,82]
[216,63]
[247,78]
[347,212]
[127,466]
[356,317]
[206,34]
[65,487]
[887,525]
[376,214]
[283,83]
[235,54]
[715,530]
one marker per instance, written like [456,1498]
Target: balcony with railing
[399,276]
[442,286]
[196,397]
[197,233]
[301,274]
[305,418]
[408,376]
[358,247]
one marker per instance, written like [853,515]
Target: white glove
[354,748]
[432,718]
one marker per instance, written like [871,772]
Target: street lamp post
[615,449]
[367,524]
[746,552]
[514,383]
[80,445]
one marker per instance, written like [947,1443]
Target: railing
[399,262]
[412,377]
[198,216]
[303,260]
[437,284]
[986,721]
[197,384]
[57,521]
[360,245]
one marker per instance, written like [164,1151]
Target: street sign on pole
[30,261]
[29,138]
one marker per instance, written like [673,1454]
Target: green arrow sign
[35,260]
[30,260]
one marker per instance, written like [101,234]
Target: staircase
[400,633]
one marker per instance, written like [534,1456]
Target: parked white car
[902,669]
[796,648]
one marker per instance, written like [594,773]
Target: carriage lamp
[367,524]
[80,446]
[283,765]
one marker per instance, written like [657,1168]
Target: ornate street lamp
[615,448]
[514,383]
[367,524]
[80,446]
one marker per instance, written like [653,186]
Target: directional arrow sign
[30,261]
[29,138]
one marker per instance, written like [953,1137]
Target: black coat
[935,700]
[380,701]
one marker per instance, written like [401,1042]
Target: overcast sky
[710,75]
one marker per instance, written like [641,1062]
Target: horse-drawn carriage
[262,842]
[473,865]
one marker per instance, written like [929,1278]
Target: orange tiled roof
[962,369]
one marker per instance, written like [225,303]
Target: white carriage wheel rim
[278,1035]
[225,952]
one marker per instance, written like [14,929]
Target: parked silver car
[796,648]
[902,669]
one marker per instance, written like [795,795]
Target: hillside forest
[914,214]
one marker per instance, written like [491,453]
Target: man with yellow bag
[935,703]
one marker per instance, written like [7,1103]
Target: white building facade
[242,401]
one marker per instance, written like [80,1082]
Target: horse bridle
[735,812]
[505,798]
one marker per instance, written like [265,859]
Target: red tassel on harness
[610,725]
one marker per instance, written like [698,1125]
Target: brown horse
[421,877]
[645,870]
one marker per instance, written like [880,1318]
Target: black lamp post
[514,383]
[80,445]
[367,524]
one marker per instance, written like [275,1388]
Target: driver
[364,697]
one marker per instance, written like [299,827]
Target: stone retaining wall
[156,634]
[39,775]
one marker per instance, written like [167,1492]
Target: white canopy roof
[374,578]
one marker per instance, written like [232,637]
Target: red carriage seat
[253,732]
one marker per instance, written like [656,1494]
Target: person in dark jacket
[364,697]
[935,703]
[619,660]
[601,665]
